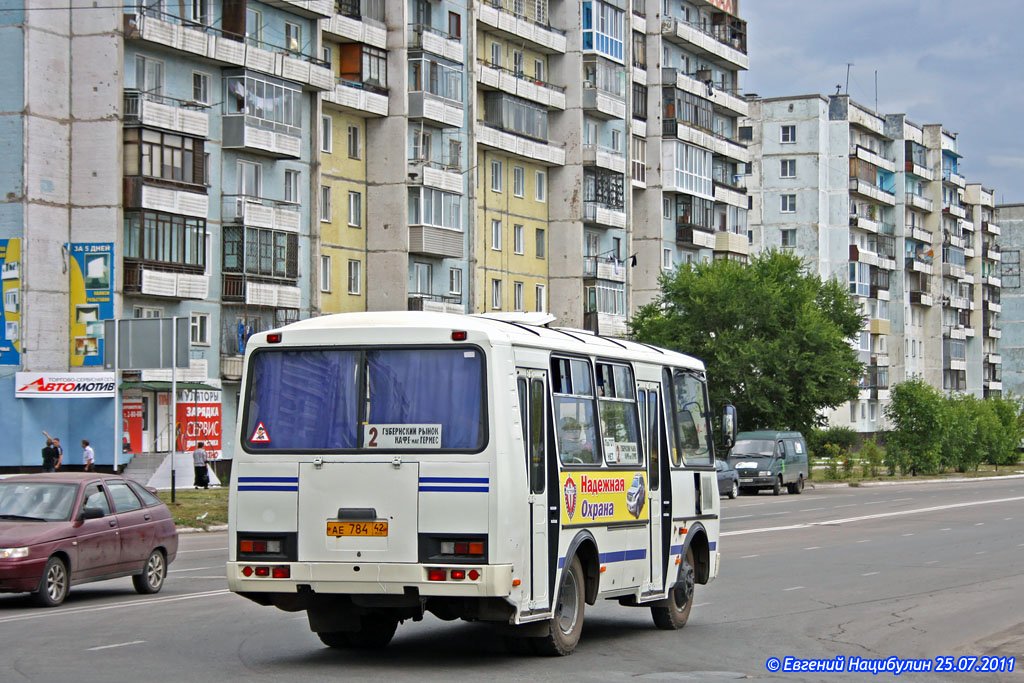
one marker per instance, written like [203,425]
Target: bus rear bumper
[368,578]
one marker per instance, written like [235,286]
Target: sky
[938,61]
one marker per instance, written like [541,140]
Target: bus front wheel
[671,614]
[565,628]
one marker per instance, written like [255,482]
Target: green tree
[1009,412]
[918,415]
[774,337]
[963,448]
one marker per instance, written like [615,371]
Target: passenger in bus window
[573,445]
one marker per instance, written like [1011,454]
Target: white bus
[473,467]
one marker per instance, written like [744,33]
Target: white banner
[402,436]
[68,385]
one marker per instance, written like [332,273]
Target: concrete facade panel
[95,87]
[47,168]
[12,50]
[48,61]
[95,162]
[12,156]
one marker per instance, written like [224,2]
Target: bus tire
[376,632]
[672,613]
[566,625]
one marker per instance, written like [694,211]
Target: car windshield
[754,448]
[43,501]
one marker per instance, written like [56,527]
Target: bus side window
[641,402]
[670,415]
[654,440]
[575,414]
[521,388]
[538,398]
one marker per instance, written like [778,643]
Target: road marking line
[203,550]
[1007,519]
[873,502]
[107,647]
[702,604]
[848,505]
[907,535]
[724,517]
[864,540]
[897,500]
[216,576]
[814,547]
[869,574]
[195,569]
[881,515]
[931,562]
[812,509]
[980,524]
[747,557]
[981,552]
[946,529]
[794,588]
[102,608]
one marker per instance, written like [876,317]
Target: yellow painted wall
[339,240]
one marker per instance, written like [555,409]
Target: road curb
[870,484]
[197,530]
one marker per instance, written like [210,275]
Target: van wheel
[734,490]
[54,584]
[777,486]
[151,580]
[565,628]
[797,486]
[671,614]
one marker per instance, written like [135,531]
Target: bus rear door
[532,387]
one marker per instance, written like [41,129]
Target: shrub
[832,455]
[844,437]
[870,458]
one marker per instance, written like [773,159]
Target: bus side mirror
[728,426]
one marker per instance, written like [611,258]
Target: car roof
[768,434]
[65,477]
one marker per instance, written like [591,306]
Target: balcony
[436,241]
[605,324]
[358,98]
[920,234]
[953,178]
[993,358]
[922,172]
[166,196]
[231,367]
[435,41]
[919,201]
[546,153]
[955,210]
[993,332]
[722,44]
[597,213]
[258,212]
[879,326]
[435,303]
[994,384]
[957,302]
[227,49]
[991,251]
[872,158]
[602,104]
[249,134]
[527,21]
[693,236]
[311,9]
[864,222]
[355,22]
[859,255]
[992,280]
[498,78]
[954,332]
[725,193]
[919,263]
[956,240]
[993,306]
[168,113]
[259,291]
[732,243]
[873,192]
[725,100]
[953,270]
[604,268]
[447,177]
[604,157]
[990,227]
[921,298]
[156,278]
[718,144]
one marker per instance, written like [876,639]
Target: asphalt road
[911,571]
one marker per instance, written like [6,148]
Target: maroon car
[63,529]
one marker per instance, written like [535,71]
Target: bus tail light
[458,574]
[465,548]
[459,335]
[473,575]
[436,575]
[278,572]
[246,572]
[282,572]
[262,571]
[274,338]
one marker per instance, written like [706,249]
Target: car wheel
[672,613]
[151,580]
[734,490]
[777,487]
[54,584]
[565,628]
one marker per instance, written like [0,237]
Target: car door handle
[148,517]
[113,523]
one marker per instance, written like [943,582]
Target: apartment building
[879,203]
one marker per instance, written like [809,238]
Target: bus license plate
[357,528]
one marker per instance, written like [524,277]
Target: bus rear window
[345,399]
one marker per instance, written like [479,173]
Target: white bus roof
[503,329]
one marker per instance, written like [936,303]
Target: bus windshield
[424,399]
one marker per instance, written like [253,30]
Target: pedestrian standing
[49,457]
[88,456]
[60,451]
[199,459]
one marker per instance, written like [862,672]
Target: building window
[496,294]
[539,71]
[639,159]
[420,148]
[424,275]
[325,273]
[517,296]
[518,181]
[260,251]
[496,55]
[355,209]
[292,37]
[291,186]
[639,50]
[787,168]
[355,276]
[199,12]
[496,234]
[541,245]
[327,55]
[149,75]
[666,208]
[326,134]
[616,141]
[602,28]
[427,75]
[516,115]
[436,208]
[496,175]
[325,203]
[165,238]
[455,25]
[518,239]
[788,134]
[455,281]
[167,156]
[540,299]
[148,312]
[375,68]
[789,237]
[253,26]
[250,179]
[200,328]
[606,297]
[746,133]
[666,259]
[518,65]
[788,204]
[639,101]
[200,87]
[353,142]
[542,186]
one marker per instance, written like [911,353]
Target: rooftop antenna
[848,65]
[876,91]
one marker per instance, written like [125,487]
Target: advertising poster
[10,313]
[597,497]
[198,419]
[131,429]
[92,301]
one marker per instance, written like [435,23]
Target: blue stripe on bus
[454,480]
[456,489]
[712,545]
[617,556]
[675,550]
[268,488]
[287,480]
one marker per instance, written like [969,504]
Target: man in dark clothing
[50,457]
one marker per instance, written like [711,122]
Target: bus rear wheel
[376,632]
[565,627]
[672,613]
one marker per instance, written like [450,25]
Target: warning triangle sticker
[260,435]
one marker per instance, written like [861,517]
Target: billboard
[131,427]
[10,312]
[92,301]
[199,419]
[64,385]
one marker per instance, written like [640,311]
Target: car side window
[124,499]
[95,498]
[148,499]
